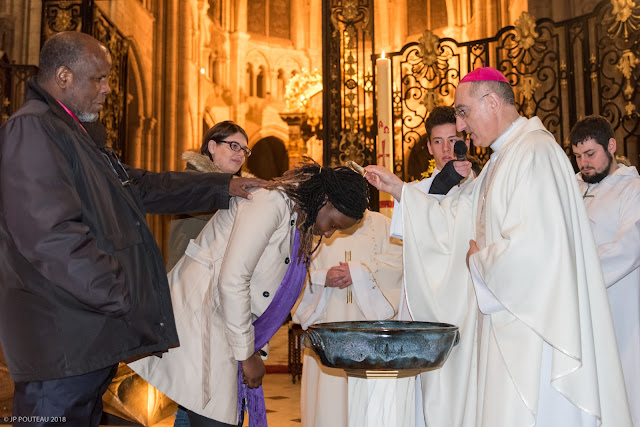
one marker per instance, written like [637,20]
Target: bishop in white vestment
[547,355]
[375,269]
[448,394]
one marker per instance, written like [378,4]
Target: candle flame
[382,54]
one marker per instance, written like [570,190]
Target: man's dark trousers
[71,401]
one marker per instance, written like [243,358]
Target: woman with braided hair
[314,188]
[237,283]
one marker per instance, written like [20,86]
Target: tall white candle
[385,126]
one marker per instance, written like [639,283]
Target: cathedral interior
[300,77]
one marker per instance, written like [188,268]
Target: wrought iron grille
[13,86]
[560,72]
[85,16]
[348,76]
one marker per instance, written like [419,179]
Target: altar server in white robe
[365,288]
[611,193]
[547,354]
[447,394]
[441,135]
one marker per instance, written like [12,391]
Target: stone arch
[279,131]
[139,123]
[289,65]
[260,73]
[258,59]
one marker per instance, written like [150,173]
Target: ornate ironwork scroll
[560,72]
[426,81]
[85,16]
[13,80]
[65,15]
[617,56]
[348,46]
[114,111]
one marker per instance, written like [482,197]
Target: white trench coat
[226,279]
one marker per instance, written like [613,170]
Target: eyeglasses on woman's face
[236,147]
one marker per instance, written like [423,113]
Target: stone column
[165,78]
[238,45]
[314,46]
[299,31]
[186,112]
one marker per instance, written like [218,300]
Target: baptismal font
[381,359]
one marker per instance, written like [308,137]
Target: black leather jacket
[82,281]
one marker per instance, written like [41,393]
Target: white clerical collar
[497,144]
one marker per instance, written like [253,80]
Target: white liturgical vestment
[547,339]
[448,394]
[376,272]
[397,226]
[613,208]
[423,185]
[396,231]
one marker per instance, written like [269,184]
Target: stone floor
[282,397]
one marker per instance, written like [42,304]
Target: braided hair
[311,186]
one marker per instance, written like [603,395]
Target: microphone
[460,150]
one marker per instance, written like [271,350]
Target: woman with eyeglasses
[224,149]
[236,285]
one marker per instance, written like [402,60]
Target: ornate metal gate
[348,78]
[13,81]
[560,72]
[85,16]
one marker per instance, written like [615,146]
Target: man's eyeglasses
[464,113]
[236,147]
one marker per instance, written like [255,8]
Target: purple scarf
[266,326]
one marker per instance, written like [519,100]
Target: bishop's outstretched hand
[384,180]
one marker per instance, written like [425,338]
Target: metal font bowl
[382,345]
